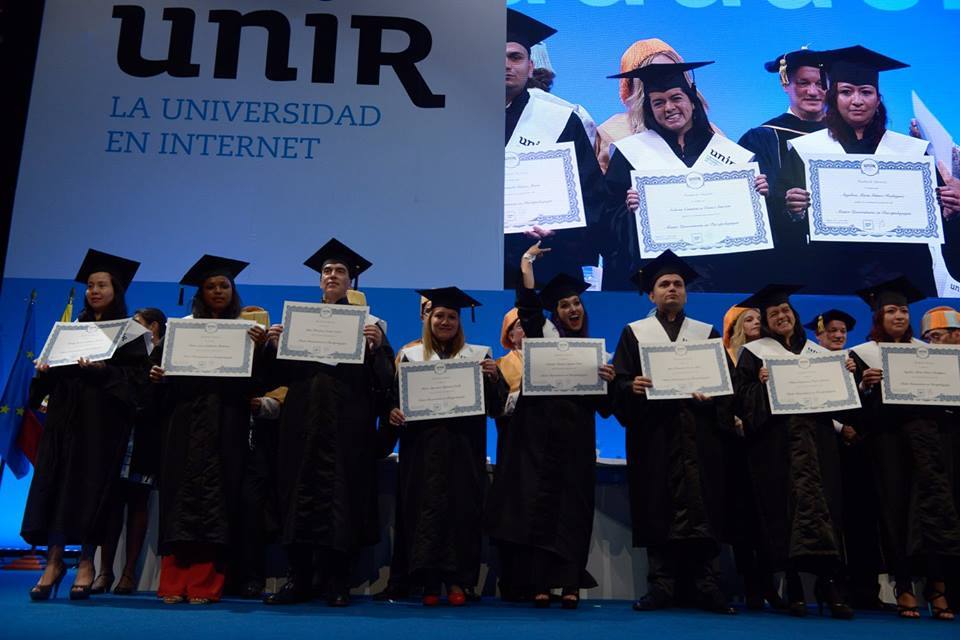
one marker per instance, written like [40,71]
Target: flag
[13,403]
[67,314]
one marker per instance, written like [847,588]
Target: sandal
[125,585]
[906,611]
[541,601]
[569,600]
[201,601]
[938,613]
[173,599]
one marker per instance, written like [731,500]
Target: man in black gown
[531,121]
[675,464]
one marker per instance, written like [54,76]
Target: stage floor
[143,617]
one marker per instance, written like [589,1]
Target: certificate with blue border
[920,374]
[441,389]
[208,347]
[542,188]
[563,366]
[328,333]
[810,384]
[699,213]
[70,341]
[679,369]
[873,198]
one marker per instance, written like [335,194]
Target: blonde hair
[430,344]
[631,89]
[738,336]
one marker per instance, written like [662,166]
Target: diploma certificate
[563,367]
[864,198]
[920,374]
[70,341]
[441,389]
[698,213]
[542,188]
[679,369]
[208,347]
[328,333]
[810,384]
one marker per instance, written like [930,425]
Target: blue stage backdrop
[148,167]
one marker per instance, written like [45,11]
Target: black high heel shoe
[906,611]
[80,591]
[796,604]
[41,592]
[826,591]
[106,581]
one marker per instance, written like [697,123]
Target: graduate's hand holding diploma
[949,194]
[397,418]
[258,335]
[764,375]
[41,366]
[851,365]
[87,364]
[641,384]
[761,185]
[607,372]
[489,368]
[797,200]
[871,378]
[374,336]
[538,233]
[633,200]
[157,374]
[273,333]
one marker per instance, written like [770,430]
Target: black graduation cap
[209,266]
[336,251]
[859,65]
[526,31]
[450,298]
[663,76]
[784,64]
[123,269]
[666,262]
[820,323]
[770,296]
[899,291]
[561,286]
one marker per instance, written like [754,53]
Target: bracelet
[529,257]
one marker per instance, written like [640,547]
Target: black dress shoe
[290,593]
[652,601]
[341,599]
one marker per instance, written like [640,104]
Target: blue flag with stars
[13,404]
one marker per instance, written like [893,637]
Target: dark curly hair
[797,340]
[700,122]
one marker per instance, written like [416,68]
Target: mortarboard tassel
[820,326]
[784,79]
[473,315]
[180,298]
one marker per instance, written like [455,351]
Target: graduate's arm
[628,405]
[750,395]
[792,183]
[495,391]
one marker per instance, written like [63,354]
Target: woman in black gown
[90,409]
[911,459]
[442,478]
[792,460]
[206,420]
[542,499]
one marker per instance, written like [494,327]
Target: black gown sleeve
[750,395]
[628,407]
[621,256]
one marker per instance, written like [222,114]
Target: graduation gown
[842,267]
[530,121]
[911,459]
[442,482]
[89,415]
[769,143]
[205,445]
[720,272]
[794,469]
[675,448]
[544,484]
[329,446]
